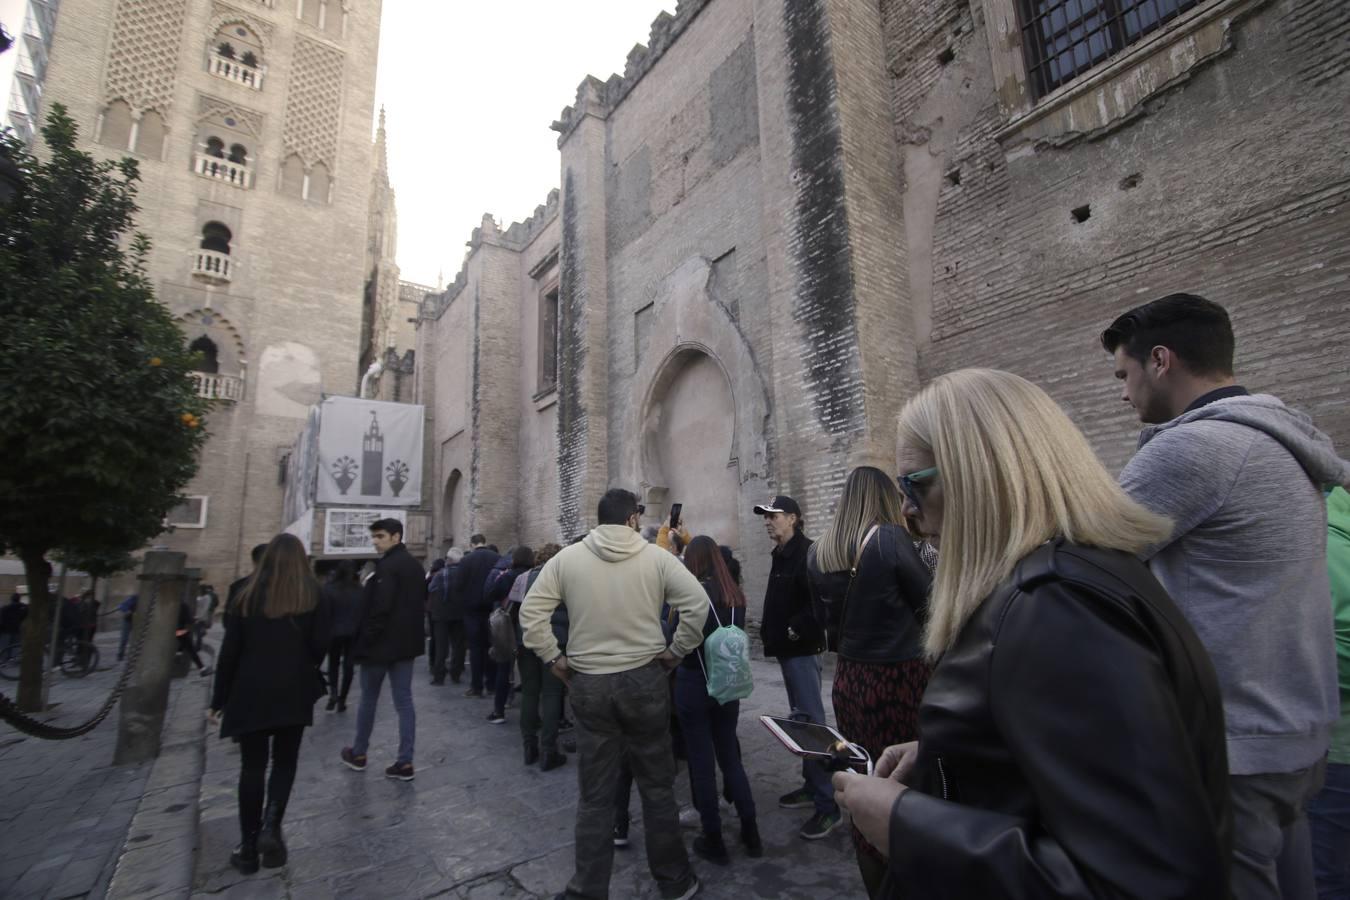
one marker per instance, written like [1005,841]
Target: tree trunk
[37,632]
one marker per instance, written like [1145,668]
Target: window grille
[1064,38]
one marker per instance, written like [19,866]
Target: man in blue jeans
[792,632]
[390,639]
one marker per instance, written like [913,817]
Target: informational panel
[370,452]
[346,532]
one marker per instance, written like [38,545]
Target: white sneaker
[689,891]
[689,818]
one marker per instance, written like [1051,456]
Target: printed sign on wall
[370,452]
[346,532]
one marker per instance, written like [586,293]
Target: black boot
[271,845]
[531,750]
[754,847]
[712,848]
[245,856]
[551,758]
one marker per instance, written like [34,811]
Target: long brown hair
[283,584]
[704,559]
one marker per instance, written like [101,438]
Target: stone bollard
[146,697]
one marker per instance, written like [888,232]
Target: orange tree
[100,423]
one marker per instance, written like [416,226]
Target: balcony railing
[224,170]
[219,387]
[233,70]
[211,265]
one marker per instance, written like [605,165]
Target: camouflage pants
[618,715]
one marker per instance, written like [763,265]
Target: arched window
[208,360]
[217,237]
[116,131]
[237,55]
[318,183]
[293,177]
[150,135]
[238,154]
[215,147]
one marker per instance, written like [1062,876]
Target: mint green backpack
[726,662]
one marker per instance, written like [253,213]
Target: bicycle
[77,658]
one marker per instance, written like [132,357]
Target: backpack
[503,634]
[726,662]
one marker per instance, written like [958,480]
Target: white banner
[370,452]
[346,532]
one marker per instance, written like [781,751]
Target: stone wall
[1229,182]
[785,216]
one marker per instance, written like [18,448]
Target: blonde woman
[867,570]
[1072,732]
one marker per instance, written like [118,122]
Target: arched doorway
[689,437]
[453,526]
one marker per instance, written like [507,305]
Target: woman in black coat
[1071,736]
[267,680]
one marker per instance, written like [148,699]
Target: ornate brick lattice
[208,106]
[143,59]
[314,103]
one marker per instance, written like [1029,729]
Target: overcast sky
[470,89]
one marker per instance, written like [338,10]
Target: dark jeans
[1267,810]
[801,677]
[340,654]
[541,700]
[482,670]
[710,742]
[448,643]
[503,691]
[400,686]
[253,753]
[185,646]
[618,714]
[126,637]
[1329,816]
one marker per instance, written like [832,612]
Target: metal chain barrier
[21,721]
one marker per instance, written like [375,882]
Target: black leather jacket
[882,620]
[1072,746]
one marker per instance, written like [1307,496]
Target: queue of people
[1071,685]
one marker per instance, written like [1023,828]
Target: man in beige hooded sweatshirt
[613,584]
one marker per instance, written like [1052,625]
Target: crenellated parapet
[517,236]
[598,98]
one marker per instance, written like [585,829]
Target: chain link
[21,721]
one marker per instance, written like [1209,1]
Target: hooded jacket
[613,584]
[1242,480]
[1338,565]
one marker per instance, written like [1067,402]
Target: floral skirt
[877,705]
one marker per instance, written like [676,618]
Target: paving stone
[476,824]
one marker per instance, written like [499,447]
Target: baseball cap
[781,504]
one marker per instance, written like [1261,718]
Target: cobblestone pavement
[477,825]
[65,808]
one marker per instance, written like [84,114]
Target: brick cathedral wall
[1231,185]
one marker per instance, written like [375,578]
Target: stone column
[146,696]
[583,311]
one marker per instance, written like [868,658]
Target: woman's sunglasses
[915,483]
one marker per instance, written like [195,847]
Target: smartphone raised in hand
[807,739]
[675,509]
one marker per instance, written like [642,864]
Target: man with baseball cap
[792,632]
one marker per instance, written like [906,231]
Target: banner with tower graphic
[370,452]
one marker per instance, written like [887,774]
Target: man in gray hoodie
[1241,475]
